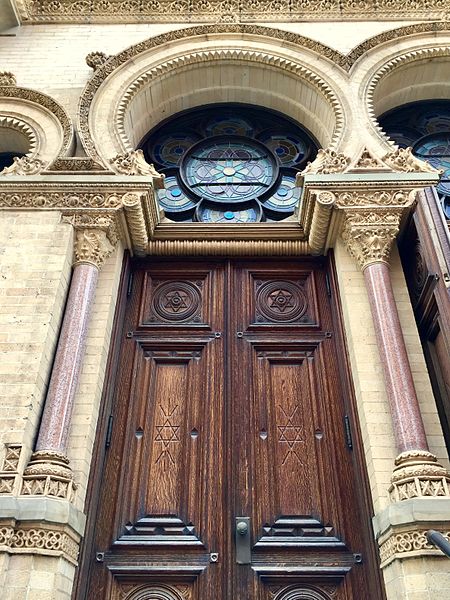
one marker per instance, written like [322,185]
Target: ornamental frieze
[234,11]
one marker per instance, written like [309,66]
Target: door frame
[104,423]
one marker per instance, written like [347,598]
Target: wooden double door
[230,469]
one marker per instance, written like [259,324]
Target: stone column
[369,237]
[48,472]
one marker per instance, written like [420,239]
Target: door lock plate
[243,540]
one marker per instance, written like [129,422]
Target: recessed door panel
[228,473]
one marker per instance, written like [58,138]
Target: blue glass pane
[229,125]
[170,149]
[229,170]
[286,196]
[172,198]
[290,149]
[211,214]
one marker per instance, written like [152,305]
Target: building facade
[224,300]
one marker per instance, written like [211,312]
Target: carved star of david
[175,301]
[291,435]
[281,300]
[167,434]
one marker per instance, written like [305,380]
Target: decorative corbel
[134,163]
[403,160]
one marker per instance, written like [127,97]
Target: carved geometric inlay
[159,531]
[280,301]
[177,301]
[290,434]
[12,458]
[167,433]
[300,532]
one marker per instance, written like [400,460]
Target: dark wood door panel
[230,403]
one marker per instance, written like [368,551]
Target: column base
[417,474]
[48,474]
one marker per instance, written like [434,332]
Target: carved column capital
[369,236]
[96,235]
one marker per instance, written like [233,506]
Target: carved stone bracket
[134,163]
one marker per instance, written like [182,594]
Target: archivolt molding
[35,106]
[241,55]
[398,62]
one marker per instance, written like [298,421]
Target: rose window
[425,126]
[229,164]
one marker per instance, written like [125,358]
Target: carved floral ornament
[56,11]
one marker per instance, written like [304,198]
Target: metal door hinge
[109,432]
[327,283]
[348,432]
[130,284]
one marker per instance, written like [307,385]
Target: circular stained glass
[286,196]
[229,164]
[170,149]
[426,126]
[290,149]
[208,212]
[172,198]
[229,169]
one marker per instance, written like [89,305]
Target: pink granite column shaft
[54,428]
[407,420]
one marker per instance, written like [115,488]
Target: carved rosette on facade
[134,163]
[417,474]
[24,165]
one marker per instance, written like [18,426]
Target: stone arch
[32,123]
[143,85]
[407,78]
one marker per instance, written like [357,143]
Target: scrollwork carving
[160,592]
[7,79]
[327,161]
[134,163]
[24,165]
[303,592]
[403,160]
[95,237]
[95,60]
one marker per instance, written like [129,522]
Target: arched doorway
[230,469]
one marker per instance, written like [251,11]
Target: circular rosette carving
[302,593]
[156,592]
[176,301]
[280,301]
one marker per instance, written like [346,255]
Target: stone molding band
[409,544]
[48,541]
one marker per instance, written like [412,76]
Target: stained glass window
[229,164]
[424,126]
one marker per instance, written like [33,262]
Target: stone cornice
[366,208]
[160,11]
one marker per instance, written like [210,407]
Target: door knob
[243,542]
[242,528]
